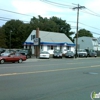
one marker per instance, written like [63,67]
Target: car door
[17,57]
[10,58]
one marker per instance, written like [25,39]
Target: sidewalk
[32,59]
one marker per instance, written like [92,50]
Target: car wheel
[20,61]
[2,61]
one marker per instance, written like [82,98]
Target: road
[50,79]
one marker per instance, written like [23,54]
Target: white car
[5,54]
[82,53]
[44,54]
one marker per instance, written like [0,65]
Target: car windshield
[57,51]
[69,52]
[44,52]
[24,51]
[5,54]
[81,50]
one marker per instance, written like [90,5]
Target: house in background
[50,41]
[88,43]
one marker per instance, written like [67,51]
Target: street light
[78,7]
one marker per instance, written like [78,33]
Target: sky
[89,18]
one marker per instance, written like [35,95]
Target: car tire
[20,61]
[2,61]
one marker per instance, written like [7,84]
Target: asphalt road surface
[50,79]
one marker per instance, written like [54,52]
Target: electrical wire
[15,12]
[57,4]
[7,19]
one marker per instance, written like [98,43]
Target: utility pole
[78,8]
[10,40]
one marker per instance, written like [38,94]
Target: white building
[88,43]
[50,41]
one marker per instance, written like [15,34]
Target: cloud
[94,5]
[34,6]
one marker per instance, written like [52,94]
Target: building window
[26,46]
[82,40]
[32,37]
[55,47]
[95,42]
[68,48]
[48,47]
[51,47]
[41,47]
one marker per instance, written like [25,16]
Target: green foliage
[52,24]
[18,31]
[2,39]
[84,32]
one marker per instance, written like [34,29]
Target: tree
[2,39]
[52,24]
[84,32]
[16,32]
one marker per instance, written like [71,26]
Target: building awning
[50,43]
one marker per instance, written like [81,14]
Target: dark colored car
[57,54]
[69,54]
[26,52]
[13,58]
[91,53]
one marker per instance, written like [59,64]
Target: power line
[91,13]
[7,19]
[15,12]
[85,25]
[57,4]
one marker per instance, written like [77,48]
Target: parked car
[82,53]
[57,54]
[26,52]
[69,54]
[5,54]
[13,58]
[44,54]
[91,53]
[2,50]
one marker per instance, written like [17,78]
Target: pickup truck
[82,53]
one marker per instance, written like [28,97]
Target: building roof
[50,37]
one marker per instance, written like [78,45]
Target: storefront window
[51,47]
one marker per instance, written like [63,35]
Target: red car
[13,58]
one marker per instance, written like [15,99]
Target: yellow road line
[45,71]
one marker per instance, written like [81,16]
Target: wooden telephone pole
[78,8]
